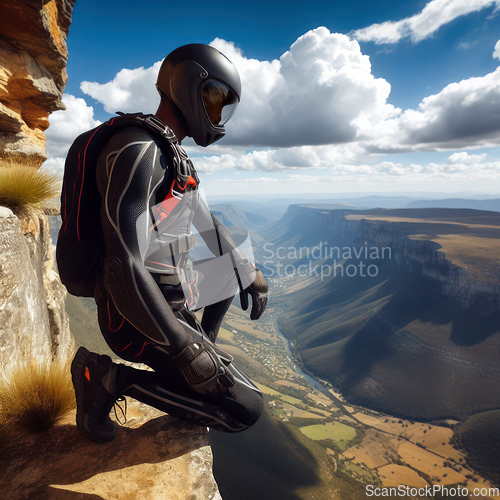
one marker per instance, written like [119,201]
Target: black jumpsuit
[142,319]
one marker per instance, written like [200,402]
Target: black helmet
[204,85]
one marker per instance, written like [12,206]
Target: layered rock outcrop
[33,57]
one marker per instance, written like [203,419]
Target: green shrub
[33,397]
[25,189]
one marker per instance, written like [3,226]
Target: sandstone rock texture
[33,318]
[33,57]
[153,457]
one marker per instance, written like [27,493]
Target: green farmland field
[341,434]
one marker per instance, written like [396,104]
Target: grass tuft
[25,189]
[33,397]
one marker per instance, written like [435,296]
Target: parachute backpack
[80,244]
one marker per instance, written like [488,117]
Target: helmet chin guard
[205,86]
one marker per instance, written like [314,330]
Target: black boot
[94,378]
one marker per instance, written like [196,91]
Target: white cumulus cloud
[65,127]
[464,114]
[465,158]
[334,164]
[254,180]
[318,92]
[283,159]
[496,51]
[55,165]
[317,107]
[469,170]
[131,90]
[322,92]
[422,25]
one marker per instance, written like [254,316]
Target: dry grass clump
[25,189]
[33,397]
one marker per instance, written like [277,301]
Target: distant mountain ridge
[492,205]
[232,215]
[274,207]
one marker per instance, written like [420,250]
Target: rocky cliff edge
[153,457]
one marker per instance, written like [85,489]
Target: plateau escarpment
[416,238]
[458,254]
[416,337]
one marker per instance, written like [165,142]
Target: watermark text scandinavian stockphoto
[323,260]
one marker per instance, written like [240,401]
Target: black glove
[204,369]
[258,291]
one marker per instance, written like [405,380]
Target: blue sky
[378,96]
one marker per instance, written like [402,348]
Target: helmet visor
[219,100]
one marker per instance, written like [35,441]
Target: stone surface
[33,57]
[152,457]
[40,28]
[33,319]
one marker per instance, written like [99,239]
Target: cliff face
[418,255]
[425,258]
[33,319]
[33,56]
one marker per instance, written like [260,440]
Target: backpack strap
[152,123]
[185,172]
